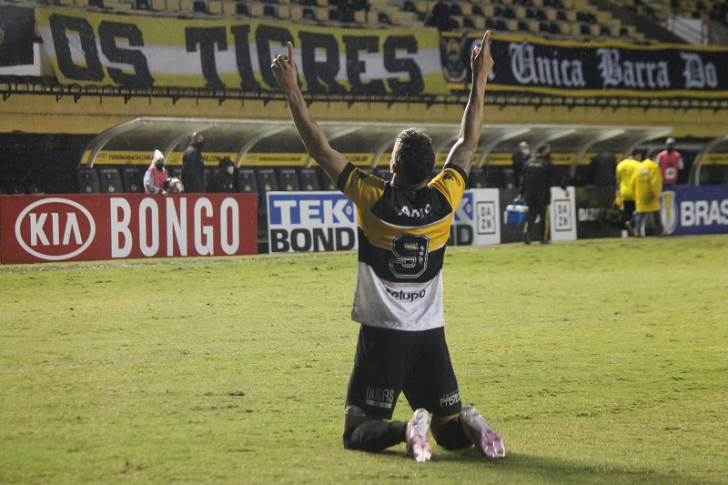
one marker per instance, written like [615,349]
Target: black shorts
[388,362]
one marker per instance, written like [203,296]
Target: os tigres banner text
[102,49]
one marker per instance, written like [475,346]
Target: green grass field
[602,361]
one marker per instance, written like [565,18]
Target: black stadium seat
[288,180]
[267,181]
[110,181]
[132,179]
[310,179]
[247,181]
[476,180]
[88,179]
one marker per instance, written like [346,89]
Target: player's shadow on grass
[548,469]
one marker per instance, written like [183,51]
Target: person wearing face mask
[156,175]
[670,162]
[519,160]
[224,179]
[539,175]
[193,166]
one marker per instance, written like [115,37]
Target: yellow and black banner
[576,68]
[91,48]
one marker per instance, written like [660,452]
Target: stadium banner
[92,48]
[592,203]
[477,219]
[36,229]
[575,68]
[562,214]
[17,31]
[311,222]
[695,210]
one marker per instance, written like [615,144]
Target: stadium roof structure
[255,136]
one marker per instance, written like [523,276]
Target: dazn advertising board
[36,229]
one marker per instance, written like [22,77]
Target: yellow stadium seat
[551,14]
[255,9]
[214,7]
[81,3]
[158,5]
[322,14]
[565,28]
[296,12]
[171,5]
[512,25]
[284,12]
[186,6]
[228,8]
[479,22]
[322,3]
[360,17]
[571,16]
[520,12]
[489,11]
[467,9]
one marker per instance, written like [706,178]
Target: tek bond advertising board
[326,221]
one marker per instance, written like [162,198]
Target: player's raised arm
[464,149]
[333,162]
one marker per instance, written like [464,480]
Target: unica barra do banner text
[90,48]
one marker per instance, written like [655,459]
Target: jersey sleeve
[451,183]
[362,188]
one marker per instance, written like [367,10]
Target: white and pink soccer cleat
[481,434]
[417,428]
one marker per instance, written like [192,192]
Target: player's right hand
[284,70]
[481,61]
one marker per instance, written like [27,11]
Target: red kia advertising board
[36,229]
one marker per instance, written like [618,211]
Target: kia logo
[55,229]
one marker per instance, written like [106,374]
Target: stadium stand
[310,179]
[551,18]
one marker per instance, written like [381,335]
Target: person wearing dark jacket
[519,160]
[539,175]
[224,179]
[193,166]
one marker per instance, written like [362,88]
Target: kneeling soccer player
[404,226]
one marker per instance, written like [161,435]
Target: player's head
[524,148]
[543,149]
[197,140]
[412,156]
[670,144]
[638,154]
[158,160]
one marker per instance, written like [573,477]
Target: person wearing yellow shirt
[624,172]
[647,190]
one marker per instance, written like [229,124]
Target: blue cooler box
[515,214]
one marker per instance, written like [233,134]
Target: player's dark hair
[542,147]
[413,156]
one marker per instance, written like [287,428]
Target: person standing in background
[647,189]
[519,160]
[156,175]
[539,175]
[623,173]
[193,166]
[224,179]
[670,162]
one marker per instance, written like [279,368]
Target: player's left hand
[284,69]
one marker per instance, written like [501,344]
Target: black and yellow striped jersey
[402,240]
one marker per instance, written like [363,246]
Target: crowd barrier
[98,227]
